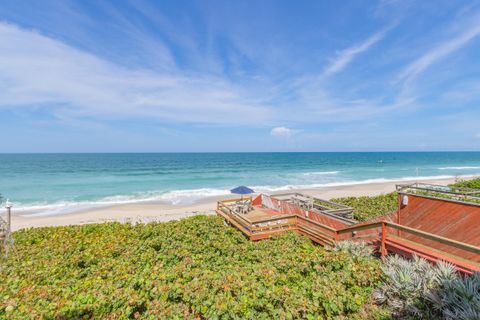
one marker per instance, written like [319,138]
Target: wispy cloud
[37,71]
[345,56]
[441,51]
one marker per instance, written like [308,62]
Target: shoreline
[67,208]
[161,212]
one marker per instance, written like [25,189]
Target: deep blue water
[53,183]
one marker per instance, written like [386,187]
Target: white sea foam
[269,189]
[189,196]
[459,168]
[320,173]
[176,197]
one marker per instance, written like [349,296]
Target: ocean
[45,184]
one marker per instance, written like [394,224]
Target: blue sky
[159,76]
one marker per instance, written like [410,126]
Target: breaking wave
[188,196]
[321,173]
[459,168]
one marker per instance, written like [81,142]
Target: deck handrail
[465,193]
[277,226]
[434,237]
[423,234]
[235,216]
[252,229]
[280,217]
[367,226]
[294,220]
[442,188]
[332,206]
[361,227]
[318,224]
[451,193]
[235,200]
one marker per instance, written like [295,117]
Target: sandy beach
[161,212]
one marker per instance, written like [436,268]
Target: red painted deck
[434,229]
[452,220]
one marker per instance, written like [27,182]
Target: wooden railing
[259,227]
[381,232]
[283,223]
[459,195]
[385,232]
[241,223]
[426,235]
[316,231]
[384,225]
[335,234]
[324,206]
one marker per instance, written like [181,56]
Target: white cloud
[37,71]
[282,132]
[344,57]
[440,51]
[477,136]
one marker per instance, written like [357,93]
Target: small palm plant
[457,298]
[407,282]
[356,249]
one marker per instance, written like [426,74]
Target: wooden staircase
[434,229]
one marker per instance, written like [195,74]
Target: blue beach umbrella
[242,190]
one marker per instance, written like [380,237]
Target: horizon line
[232,152]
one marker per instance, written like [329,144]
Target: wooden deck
[405,232]
[259,214]
[259,223]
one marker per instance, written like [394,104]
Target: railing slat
[301,222]
[430,236]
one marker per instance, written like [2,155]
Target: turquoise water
[61,183]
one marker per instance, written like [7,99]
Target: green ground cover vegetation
[198,268]
[195,268]
[472,184]
[370,207]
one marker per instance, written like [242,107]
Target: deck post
[9,220]
[383,250]
[8,239]
[399,208]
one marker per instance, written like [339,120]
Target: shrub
[370,207]
[407,283]
[356,249]
[457,298]
[195,268]
[472,183]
